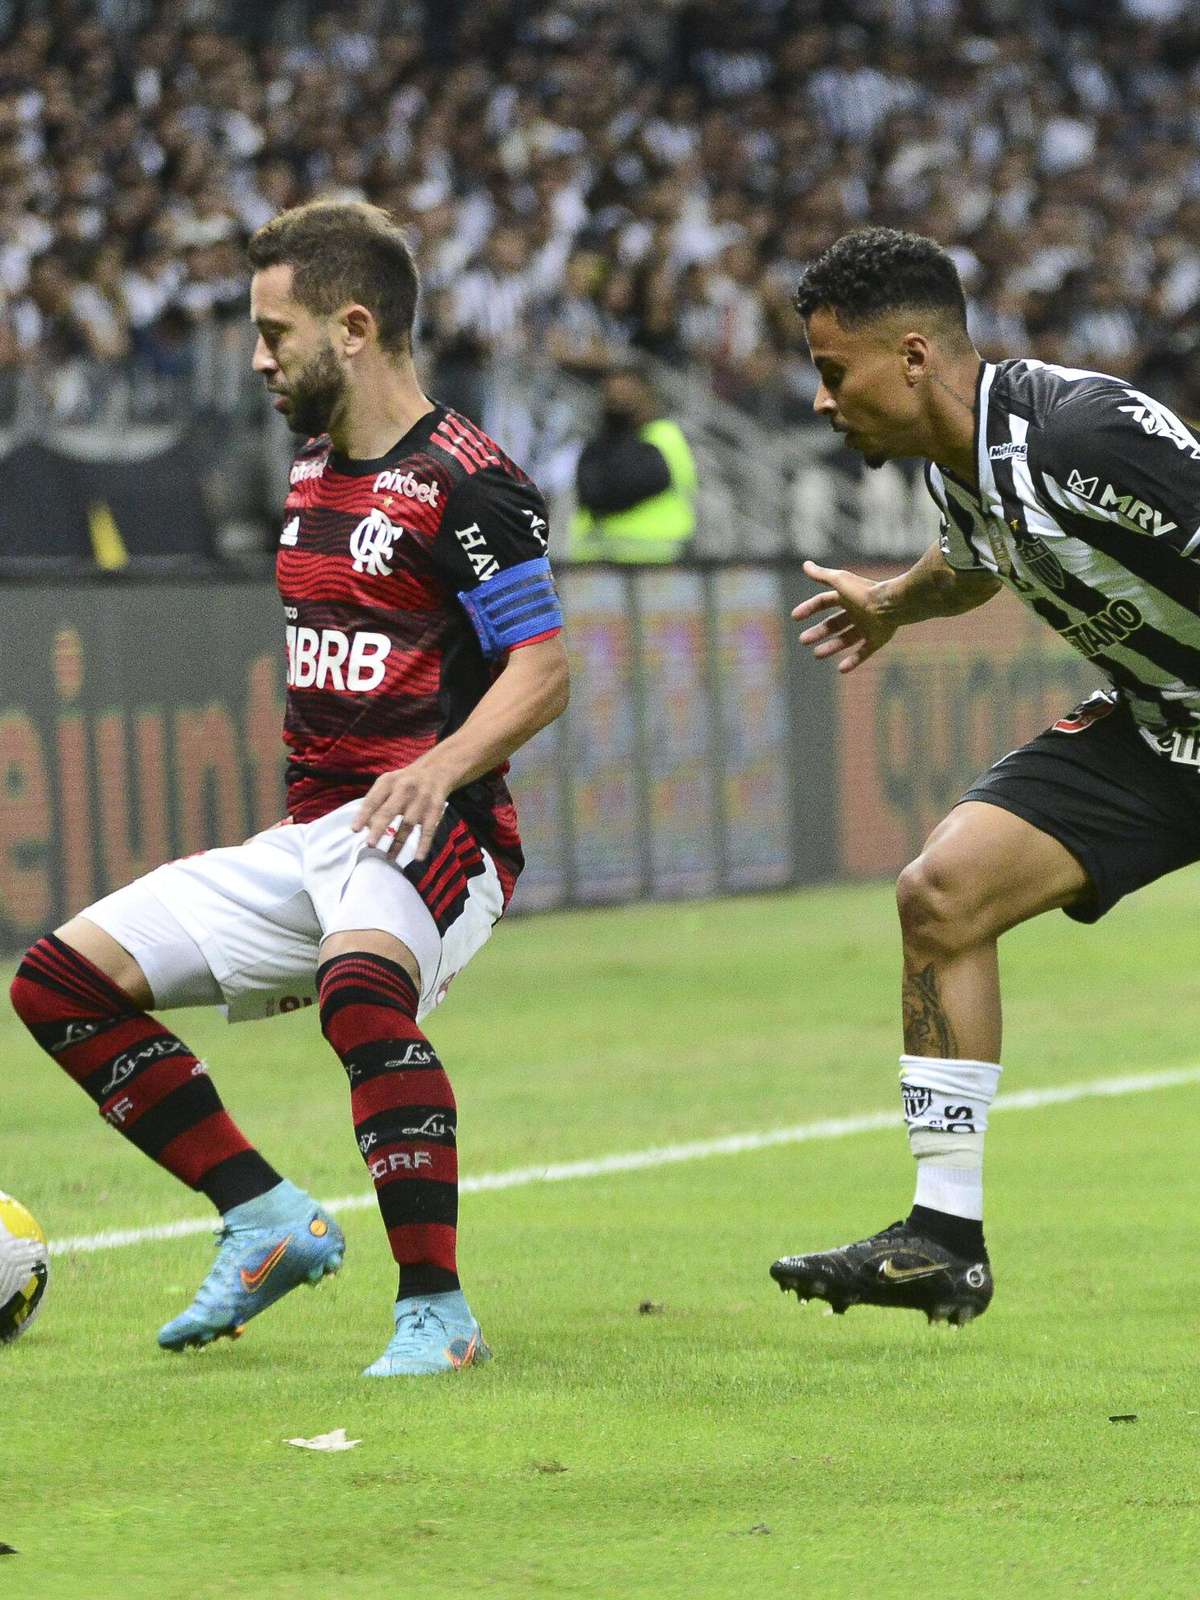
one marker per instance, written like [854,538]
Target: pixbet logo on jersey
[326,658]
[406,484]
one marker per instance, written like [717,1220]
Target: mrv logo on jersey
[326,658]
[1127,506]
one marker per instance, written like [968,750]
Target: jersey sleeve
[491,551]
[1114,454]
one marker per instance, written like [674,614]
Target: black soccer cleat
[898,1267]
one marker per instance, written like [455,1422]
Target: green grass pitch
[729,1443]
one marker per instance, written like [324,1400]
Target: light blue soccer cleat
[264,1248]
[434,1333]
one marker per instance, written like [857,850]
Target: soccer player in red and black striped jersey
[423,648]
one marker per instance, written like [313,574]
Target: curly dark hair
[872,271]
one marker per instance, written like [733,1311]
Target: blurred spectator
[582,334]
[635,481]
[98,302]
[585,178]
[490,301]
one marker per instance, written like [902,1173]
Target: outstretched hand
[856,629]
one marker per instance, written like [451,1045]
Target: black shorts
[1126,813]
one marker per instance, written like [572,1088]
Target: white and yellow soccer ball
[24,1268]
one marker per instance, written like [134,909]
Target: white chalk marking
[673,1154]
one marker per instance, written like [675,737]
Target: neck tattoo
[967,405]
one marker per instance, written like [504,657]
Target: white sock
[945,1106]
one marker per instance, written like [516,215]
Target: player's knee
[16,996]
[55,981]
[32,1001]
[360,992]
[939,906]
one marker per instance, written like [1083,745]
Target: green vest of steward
[655,528]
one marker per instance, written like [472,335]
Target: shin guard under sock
[146,1082]
[404,1112]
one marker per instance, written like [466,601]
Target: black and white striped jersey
[1088,508]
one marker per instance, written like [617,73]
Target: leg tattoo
[928,1031]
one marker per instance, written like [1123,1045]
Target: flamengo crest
[371,545]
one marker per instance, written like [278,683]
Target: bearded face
[313,393]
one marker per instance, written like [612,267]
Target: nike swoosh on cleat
[253,1281]
[896,1274]
[459,1357]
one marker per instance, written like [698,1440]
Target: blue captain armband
[517,604]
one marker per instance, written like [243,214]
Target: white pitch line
[669,1155]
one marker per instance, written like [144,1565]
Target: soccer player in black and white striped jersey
[1082,495]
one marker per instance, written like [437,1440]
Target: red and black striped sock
[405,1117]
[147,1083]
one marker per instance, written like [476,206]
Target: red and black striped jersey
[405,582]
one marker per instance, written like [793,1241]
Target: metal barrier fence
[191,468]
[703,751]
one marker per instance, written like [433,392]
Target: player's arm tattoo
[928,1031]
[932,588]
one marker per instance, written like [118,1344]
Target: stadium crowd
[588,178]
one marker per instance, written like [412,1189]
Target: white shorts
[243,926]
